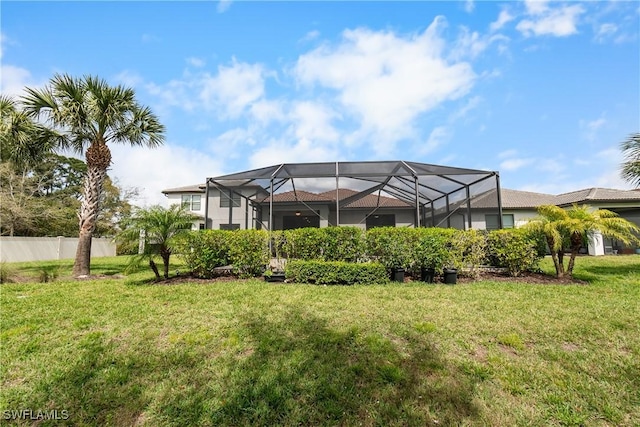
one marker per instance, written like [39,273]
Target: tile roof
[589,195]
[368,201]
[290,196]
[515,199]
[196,188]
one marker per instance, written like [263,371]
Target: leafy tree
[161,227]
[631,167]
[568,229]
[89,114]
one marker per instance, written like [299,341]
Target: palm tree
[567,229]
[90,114]
[23,141]
[160,227]
[631,167]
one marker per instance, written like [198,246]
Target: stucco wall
[18,249]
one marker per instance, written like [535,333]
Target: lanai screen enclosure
[434,196]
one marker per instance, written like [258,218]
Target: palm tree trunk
[98,159]
[165,260]
[154,267]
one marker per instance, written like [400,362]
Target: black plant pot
[397,274]
[428,274]
[450,276]
[274,278]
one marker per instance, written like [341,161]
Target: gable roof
[367,201]
[516,199]
[196,188]
[590,195]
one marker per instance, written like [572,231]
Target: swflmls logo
[28,414]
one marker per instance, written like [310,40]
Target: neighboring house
[520,206]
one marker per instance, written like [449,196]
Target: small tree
[566,230]
[161,227]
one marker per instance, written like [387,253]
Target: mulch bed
[526,278]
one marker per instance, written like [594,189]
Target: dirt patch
[525,278]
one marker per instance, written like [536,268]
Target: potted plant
[431,255]
[390,247]
[273,275]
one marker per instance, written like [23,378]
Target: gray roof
[516,199]
[195,188]
[591,195]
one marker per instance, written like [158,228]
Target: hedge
[335,272]
[202,251]
[514,249]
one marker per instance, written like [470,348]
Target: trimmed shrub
[431,248]
[343,244]
[468,251]
[390,246]
[204,250]
[514,249]
[303,243]
[249,252]
[335,272]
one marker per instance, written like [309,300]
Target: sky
[541,91]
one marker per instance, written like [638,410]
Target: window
[229,226]
[491,221]
[290,222]
[377,220]
[191,202]
[201,226]
[227,197]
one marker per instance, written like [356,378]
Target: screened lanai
[370,193]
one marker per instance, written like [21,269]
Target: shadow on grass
[300,371]
[293,371]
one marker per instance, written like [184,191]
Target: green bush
[249,252]
[343,244]
[335,272]
[390,246]
[303,243]
[514,249]
[204,250]
[468,249]
[431,248]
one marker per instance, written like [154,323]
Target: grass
[114,352]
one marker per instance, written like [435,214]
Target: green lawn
[114,352]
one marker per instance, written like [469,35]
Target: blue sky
[542,92]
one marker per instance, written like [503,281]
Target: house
[363,194]
[518,207]
[390,193]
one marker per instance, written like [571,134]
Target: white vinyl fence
[17,249]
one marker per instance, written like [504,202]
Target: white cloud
[503,18]
[310,36]
[590,128]
[507,153]
[437,138]
[234,88]
[154,170]
[266,111]
[14,79]
[229,93]
[515,164]
[223,6]
[304,150]
[558,22]
[196,62]
[312,121]
[471,44]
[536,7]
[470,105]
[387,80]
[469,6]
[149,38]
[129,78]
